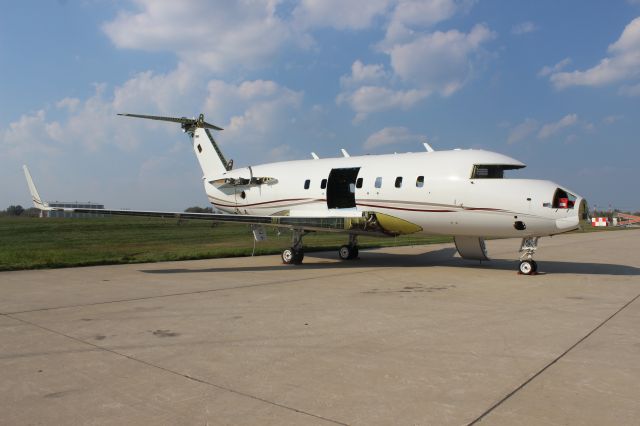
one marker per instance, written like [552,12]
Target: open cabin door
[341,188]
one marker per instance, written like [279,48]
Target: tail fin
[37,201]
[212,161]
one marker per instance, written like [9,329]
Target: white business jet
[461,193]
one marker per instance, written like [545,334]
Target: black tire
[298,257]
[345,252]
[355,252]
[535,266]
[526,267]
[287,256]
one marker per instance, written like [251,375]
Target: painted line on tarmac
[176,373]
[187,293]
[558,358]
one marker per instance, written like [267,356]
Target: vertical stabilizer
[211,159]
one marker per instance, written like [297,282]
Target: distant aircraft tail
[37,201]
[212,161]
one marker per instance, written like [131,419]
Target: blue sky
[554,84]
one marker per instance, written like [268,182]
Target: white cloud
[216,35]
[172,93]
[610,119]
[339,14]
[255,111]
[524,28]
[529,127]
[369,99]
[70,103]
[630,91]
[440,61]
[409,16]
[551,129]
[30,133]
[623,63]
[522,131]
[547,70]
[363,74]
[571,138]
[390,136]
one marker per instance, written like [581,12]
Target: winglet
[344,152]
[37,201]
[428,147]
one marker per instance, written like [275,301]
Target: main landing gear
[295,254]
[528,266]
[349,251]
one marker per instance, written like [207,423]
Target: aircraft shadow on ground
[443,257]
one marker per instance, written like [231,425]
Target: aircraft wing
[370,223]
[364,222]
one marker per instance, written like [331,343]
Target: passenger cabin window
[491,171]
[359,183]
[420,182]
[399,182]
[378,183]
[323,184]
[307,184]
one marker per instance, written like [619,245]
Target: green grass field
[30,243]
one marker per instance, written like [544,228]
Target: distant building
[599,221]
[72,204]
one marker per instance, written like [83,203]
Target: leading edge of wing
[365,224]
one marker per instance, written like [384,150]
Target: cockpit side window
[491,171]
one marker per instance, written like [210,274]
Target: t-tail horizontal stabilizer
[37,201]
[188,124]
[212,162]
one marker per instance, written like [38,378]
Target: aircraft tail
[210,156]
[37,201]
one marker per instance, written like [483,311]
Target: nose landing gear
[528,266]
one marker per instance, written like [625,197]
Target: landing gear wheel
[527,267]
[287,256]
[291,256]
[535,266]
[355,252]
[347,252]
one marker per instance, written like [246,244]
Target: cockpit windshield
[492,171]
[562,200]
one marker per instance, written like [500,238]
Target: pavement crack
[546,367]
[177,373]
[187,293]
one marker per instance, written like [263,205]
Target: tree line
[18,210]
